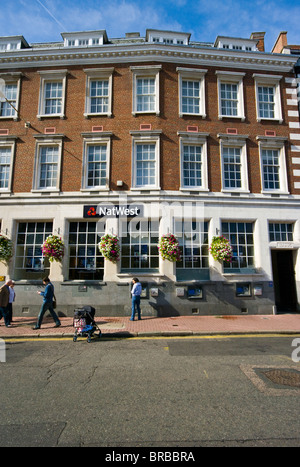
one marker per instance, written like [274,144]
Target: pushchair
[84,323]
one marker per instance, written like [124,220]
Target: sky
[45,20]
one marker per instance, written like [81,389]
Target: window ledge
[152,112]
[236,117]
[183,114]
[193,188]
[97,114]
[46,191]
[40,116]
[279,120]
[275,192]
[94,189]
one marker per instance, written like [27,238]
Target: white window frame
[145,137]
[90,139]
[235,141]
[9,142]
[228,77]
[277,144]
[269,81]
[11,78]
[140,72]
[47,141]
[98,74]
[52,77]
[194,139]
[192,74]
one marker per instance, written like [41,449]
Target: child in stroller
[84,323]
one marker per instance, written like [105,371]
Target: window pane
[229,99]
[5,160]
[192,166]
[99,96]
[191,97]
[96,165]
[139,246]
[86,262]
[242,244]
[266,101]
[48,166]
[145,165]
[193,240]
[145,94]
[30,263]
[53,97]
[232,167]
[271,168]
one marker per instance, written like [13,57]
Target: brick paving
[153,326]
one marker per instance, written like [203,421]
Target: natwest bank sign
[111,210]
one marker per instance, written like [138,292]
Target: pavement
[150,326]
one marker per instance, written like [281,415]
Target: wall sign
[110,210]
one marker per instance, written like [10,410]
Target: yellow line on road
[191,337]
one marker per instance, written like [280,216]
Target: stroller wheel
[100,333]
[89,338]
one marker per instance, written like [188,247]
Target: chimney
[260,38]
[132,35]
[280,43]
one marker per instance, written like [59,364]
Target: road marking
[192,337]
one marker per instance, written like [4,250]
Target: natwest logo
[110,210]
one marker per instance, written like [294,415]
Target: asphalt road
[167,393]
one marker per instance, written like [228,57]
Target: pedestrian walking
[4,300]
[12,297]
[136,298]
[47,304]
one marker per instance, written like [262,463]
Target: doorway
[284,281]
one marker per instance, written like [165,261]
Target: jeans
[47,306]
[4,313]
[135,304]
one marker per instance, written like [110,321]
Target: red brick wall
[122,122]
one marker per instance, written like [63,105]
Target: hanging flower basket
[220,249]
[53,248]
[169,248]
[109,247]
[6,247]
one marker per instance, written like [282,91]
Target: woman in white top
[12,296]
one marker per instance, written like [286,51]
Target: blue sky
[44,20]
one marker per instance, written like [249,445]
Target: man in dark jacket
[4,299]
[47,295]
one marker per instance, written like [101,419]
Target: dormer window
[84,39]
[233,43]
[167,37]
[12,43]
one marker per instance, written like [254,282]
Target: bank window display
[139,246]
[29,260]
[240,236]
[192,236]
[85,260]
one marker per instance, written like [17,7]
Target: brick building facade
[203,137]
